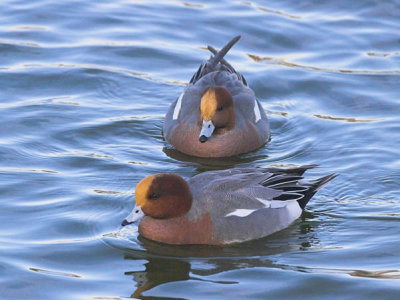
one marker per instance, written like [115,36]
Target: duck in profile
[217,114]
[221,207]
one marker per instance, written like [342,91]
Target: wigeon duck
[217,114]
[221,207]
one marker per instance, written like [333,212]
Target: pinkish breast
[178,230]
[186,140]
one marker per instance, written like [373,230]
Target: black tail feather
[209,65]
[277,180]
[221,53]
[293,185]
[314,186]
[228,66]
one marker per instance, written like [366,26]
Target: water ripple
[84,88]
[285,63]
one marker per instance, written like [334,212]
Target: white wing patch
[241,212]
[257,112]
[292,207]
[177,107]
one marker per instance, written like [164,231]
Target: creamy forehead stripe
[208,105]
[142,189]
[257,112]
[178,107]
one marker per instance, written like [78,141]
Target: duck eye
[154,196]
[219,108]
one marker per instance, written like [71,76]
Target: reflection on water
[56,273]
[387,274]
[170,263]
[285,63]
[158,271]
[208,164]
[271,11]
[352,120]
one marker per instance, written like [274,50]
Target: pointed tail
[209,65]
[315,185]
[213,61]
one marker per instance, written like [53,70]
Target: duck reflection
[170,263]
[158,271]
[208,164]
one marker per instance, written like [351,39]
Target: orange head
[161,196]
[216,111]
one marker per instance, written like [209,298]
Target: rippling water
[84,86]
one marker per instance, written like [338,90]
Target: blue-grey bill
[134,216]
[207,130]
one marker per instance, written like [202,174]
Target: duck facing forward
[221,207]
[217,114]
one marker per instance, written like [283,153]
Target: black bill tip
[125,222]
[203,139]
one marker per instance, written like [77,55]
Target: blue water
[84,87]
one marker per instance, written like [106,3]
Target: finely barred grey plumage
[223,192]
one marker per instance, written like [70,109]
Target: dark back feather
[294,186]
[217,63]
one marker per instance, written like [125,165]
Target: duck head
[160,196]
[217,113]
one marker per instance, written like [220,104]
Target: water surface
[84,87]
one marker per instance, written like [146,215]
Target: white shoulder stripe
[279,203]
[241,212]
[267,203]
[257,112]
[275,203]
[178,107]
[292,207]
